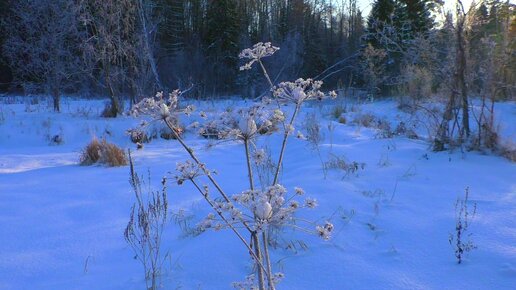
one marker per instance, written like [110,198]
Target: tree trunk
[115,106]
[461,76]
[56,97]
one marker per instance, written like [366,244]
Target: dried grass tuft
[104,153]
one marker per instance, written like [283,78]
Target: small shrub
[461,238]
[2,117]
[402,130]
[104,153]
[57,139]
[419,82]
[314,136]
[385,129]
[509,153]
[210,130]
[337,111]
[109,111]
[367,120]
[343,120]
[137,135]
[167,135]
[340,163]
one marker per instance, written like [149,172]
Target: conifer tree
[221,42]
[381,15]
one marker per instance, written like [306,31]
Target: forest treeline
[132,48]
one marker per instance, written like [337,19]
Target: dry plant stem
[284,144]
[256,255]
[207,172]
[254,234]
[249,168]
[265,242]
[266,74]
[276,175]
[190,151]
[257,258]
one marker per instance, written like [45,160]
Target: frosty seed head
[298,91]
[259,156]
[257,52]
[311,202]
[263,210]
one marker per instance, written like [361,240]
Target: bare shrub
[57,139]
[137,135]
[109,111]
[369,120]
[144,231]
[385,129]
[2,117]
[340,163]
[461,238]
[509,152]
[419,82]
[366,120]
[314,136]
[104,153]
[167,135]
[403,130]
[337,111]
[210,130]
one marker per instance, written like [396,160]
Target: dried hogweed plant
[254,210]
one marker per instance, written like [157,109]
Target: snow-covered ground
[61,224]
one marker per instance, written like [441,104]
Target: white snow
[61,224]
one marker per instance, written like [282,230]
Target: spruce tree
[381,15]
[5,71]
[418,16]
[171,29]
[221,42]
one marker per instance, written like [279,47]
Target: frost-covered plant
[161,107]
[299,91]
[349,167]
[144,231]
[314,136]
[243,124]
[461,238]
[137,135]
[253,210]
[256,53]
[261,209]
